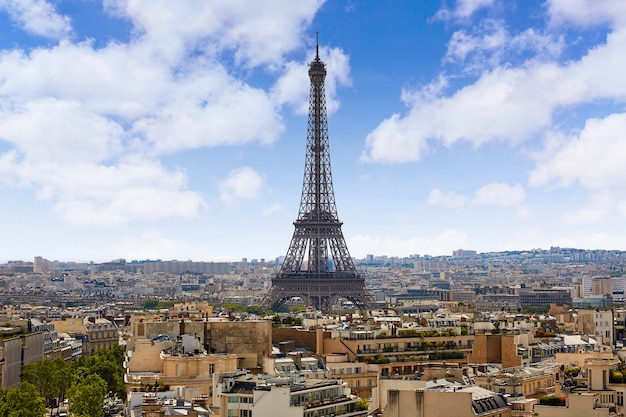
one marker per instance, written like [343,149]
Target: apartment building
[95,333]
[445,401]
[263,396]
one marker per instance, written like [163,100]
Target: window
[211,368]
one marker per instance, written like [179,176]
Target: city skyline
[178,130]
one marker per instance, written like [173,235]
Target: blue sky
[145,129]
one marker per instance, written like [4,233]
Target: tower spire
[318,268]
[317,46]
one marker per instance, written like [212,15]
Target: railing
[413,349]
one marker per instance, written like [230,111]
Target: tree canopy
[22,401]
[86,397]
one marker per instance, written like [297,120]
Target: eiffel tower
[318,268]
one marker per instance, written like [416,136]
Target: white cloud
[489,44]
[271,210]
[509,104]
[448,199]
[495,194]
[466,8]
[594,158]
[463,10]
[47,129]
[80,113]
[587,12]
[292,87]
[597,209]
[255,33]
[85,193]
[499,194]
[38,17]
[241,184]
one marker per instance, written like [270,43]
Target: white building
[265,396]
[603,321]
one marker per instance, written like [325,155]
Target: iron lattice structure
[318,267]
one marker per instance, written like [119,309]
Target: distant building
[462,253]
[602,286]
[540,297]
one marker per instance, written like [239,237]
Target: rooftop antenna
[317,46]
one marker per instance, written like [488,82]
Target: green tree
[45,377]
[51,378]
[22,401]
[108,365]
[86,397]
[66,377]
[361,405]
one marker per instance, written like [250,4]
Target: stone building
[161,363]
[246,395]
[445,402]
[250,340]
[95,333]
[595,397]
[510,349]
[16,350]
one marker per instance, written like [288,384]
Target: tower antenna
[317,46]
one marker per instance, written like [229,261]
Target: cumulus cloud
[593,157]
[449,199]
[38,17]
[256,33]
[241,184]
[587,12]
[498,194]
[489,44]
[506,103]
[590,158]
[85,193]
[80,113]
[292,88]
[495,194]
[463,10]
